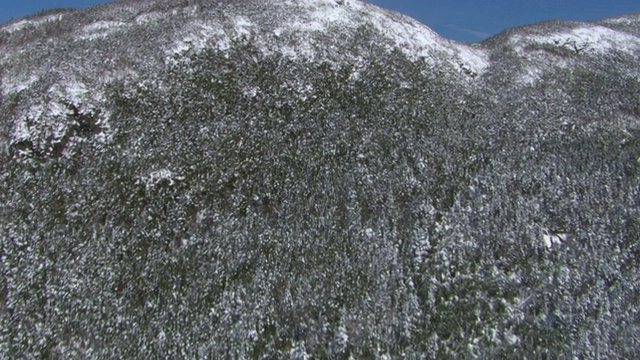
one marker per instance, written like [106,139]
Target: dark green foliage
[254,206]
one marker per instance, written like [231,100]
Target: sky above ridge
[463,20]
[474,20]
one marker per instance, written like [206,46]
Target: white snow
[16,85]
[298,351]
[21,132]
[512,339]
[149,17]
[251,91]
[473,59]
[531,74]
[306,20]
[552,239]
[71,91]
[47,119]
[243,25]
[369,233]
[22,24]
[156,177]
[17,26]
[319,15]
[100,29]
[342,338]
[410,36]
[623,20]
[197,36]
[587,38]
[597,39]
[42,121]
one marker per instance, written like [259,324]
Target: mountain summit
[316,179]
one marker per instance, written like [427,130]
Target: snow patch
[22,24]
[585,39]
[155,178]
[512,339]
[406,34]
[100,29]
[599,39]
[624,20]
[243,25]
[321,15]
[41,122]
[72,91]
[251,92]
[473,61]
[312,18]
[148,18]
[14,86]
[198,36]
[551,240]
[46,122]
[416,41]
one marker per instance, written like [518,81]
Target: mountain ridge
[316,179]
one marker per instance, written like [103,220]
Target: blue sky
[473,20]
[465,20]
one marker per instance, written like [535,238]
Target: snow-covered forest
[215,179]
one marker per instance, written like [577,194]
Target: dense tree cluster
[250,205]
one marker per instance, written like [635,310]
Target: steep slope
[553,44]
[315,178]
[135,38]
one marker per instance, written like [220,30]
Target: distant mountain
[316,179]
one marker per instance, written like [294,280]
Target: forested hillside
[194,180]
